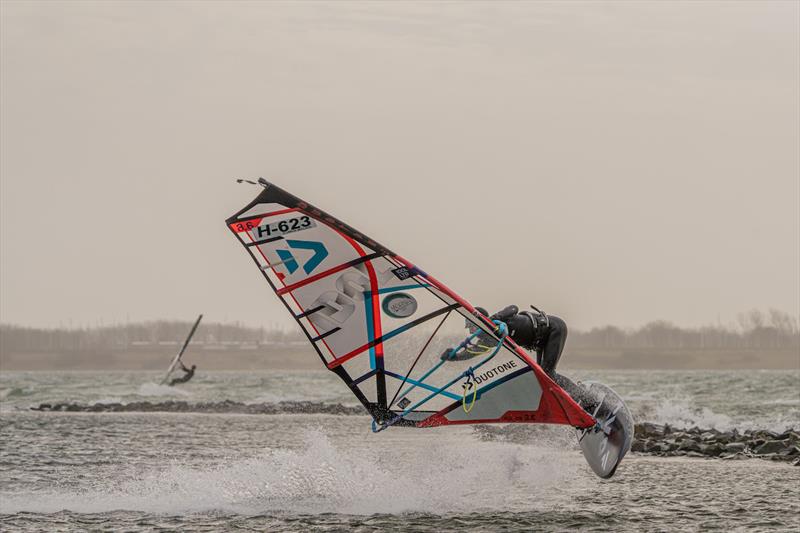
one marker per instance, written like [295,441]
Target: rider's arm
[461,355]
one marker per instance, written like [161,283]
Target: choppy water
[296,472]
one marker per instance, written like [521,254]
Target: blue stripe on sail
[423,385]
[402,288]
[371,318]
[370,327]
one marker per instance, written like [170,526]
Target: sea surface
[202,471]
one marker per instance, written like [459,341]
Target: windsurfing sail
[177,357]
[411,350]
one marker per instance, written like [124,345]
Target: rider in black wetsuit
[186,377]
[534,331]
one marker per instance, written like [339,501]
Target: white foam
[467,476]
[682,413]
[111,399]
[783,401]
[678,412]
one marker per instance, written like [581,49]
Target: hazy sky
[609,162]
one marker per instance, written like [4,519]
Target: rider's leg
[552,345]
[550,354]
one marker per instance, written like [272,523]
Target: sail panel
[396,335]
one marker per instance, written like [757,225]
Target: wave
[13,392]
[327,478]
[680,412]
[783,401]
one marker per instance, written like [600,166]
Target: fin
[605,444]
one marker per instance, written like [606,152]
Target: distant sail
[174,364]
[392,332]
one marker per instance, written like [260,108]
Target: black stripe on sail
[256,243]
[364,259]
[320,337]
[310,311]
[365,377]
[381,388]
[342,373]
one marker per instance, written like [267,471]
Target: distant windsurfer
[189,374]
[534,331]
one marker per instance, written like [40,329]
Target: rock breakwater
[664,440]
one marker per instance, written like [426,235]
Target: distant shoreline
[302,358]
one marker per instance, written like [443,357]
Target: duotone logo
[399,305]
[319,250]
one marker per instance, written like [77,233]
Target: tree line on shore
[773,330]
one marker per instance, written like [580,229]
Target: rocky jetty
[226,406]
[664,440]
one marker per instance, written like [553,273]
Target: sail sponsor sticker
[404,272]
[487,375]
[399,305]
[283,227]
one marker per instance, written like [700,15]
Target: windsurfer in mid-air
[534,331]
[188,374]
